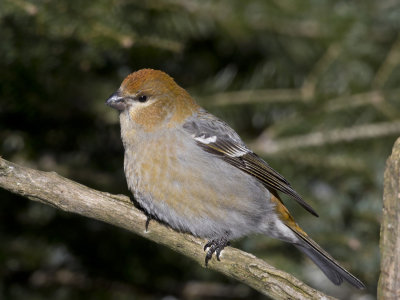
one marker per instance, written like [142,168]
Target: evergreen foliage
[312,86]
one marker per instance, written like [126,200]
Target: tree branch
[54,190]
[389,280]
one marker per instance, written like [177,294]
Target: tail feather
[320,257]
[325,262]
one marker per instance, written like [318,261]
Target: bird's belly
[195,192]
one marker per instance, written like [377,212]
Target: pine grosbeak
[192,171]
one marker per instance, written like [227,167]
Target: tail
[319,256]
[325,262]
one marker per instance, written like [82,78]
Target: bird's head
[151,98]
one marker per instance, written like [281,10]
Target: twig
[376,98]
[305,93]
[51,189]
[329,161]
[253,96]
[391,61]
[308,88]
[316,139]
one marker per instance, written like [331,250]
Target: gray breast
[193,190]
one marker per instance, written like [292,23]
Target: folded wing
[216,137]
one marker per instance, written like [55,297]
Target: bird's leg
[149,218]
[215,246]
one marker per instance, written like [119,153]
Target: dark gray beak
[116,101]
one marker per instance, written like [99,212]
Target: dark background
[312,86]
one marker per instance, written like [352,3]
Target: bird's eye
[142,98]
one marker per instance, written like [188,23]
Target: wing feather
[216,137]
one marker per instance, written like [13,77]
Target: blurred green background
[312,86]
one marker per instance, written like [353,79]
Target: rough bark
[54,190]
[389,281]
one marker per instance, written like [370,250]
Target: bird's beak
[116,101]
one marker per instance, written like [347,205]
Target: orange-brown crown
[170,98]
[148,79]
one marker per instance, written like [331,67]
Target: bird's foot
[215,246]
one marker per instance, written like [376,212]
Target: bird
[191,171]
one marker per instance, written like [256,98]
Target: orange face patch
[171,103]
[151,116]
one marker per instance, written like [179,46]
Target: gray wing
[216,137]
